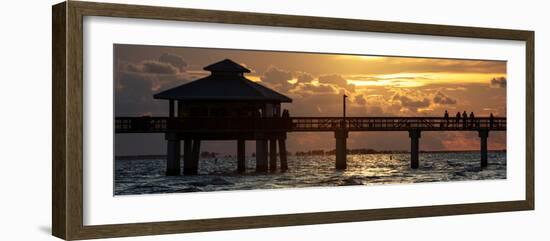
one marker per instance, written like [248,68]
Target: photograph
[171,119]
[193,119]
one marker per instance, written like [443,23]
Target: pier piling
[282,154]
[261,155]
[195,155]
[241,156]
[341,149]
[415,138]
[188,157]
[173,155]
[483,135]
[272,155]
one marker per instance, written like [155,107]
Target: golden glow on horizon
[254,78]
[362,57]
[409,80]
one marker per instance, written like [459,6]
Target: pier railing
[304,124]
[396,123]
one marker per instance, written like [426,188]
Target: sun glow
[410,80]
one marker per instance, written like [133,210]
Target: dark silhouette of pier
[208,128]
[227,106]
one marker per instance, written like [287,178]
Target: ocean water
[146,176]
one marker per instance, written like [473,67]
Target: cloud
[337,80]
[276,75]
[168,64]
[411,104]
[443,99]
[304,77]
[134,96]
[360,100]
[310,88]
[499,82]
[134,93]
[173,59]
[277,78]
[156,67]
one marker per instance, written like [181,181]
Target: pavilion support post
[272,154]
[173,167]
[171,108]
[189,167]
[483,135]
[195,155]
[282,153]
[261,153]
[341,149]
[241,157]
[415,139]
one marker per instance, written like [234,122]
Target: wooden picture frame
[67,159]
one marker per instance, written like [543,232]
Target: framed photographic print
[170,120]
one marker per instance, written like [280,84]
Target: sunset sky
[376,86]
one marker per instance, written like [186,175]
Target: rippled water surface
[146,176]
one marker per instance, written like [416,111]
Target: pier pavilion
[226,95]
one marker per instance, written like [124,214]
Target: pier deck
[304,124]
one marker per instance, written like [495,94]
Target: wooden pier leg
[272,154]
[341,149]
[282,153]
[241,157]
[483,134]
[195,155]
[188,166]
[173,167]
[261,154]
[415,137]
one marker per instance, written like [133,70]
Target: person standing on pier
[457,119]
[472,119]
[491,119]
[446,117]
[464,119]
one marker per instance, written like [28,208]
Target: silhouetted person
[464,119]
[457,119]
[286,118]
[491,120]
[472,119]
[446,117]
[287,114]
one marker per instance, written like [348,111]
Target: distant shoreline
[310,153]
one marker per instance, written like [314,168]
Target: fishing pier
[227,106]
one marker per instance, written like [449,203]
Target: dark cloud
[376,110]
[277,78]
[276,75]
[411,104]
[130,68]
[134,93]
[134,96]
[359,99]
[173,59]
[443,99]
[303,77]
[316,89]
[337,80]
[166,64]
[499,82]
[156,67]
